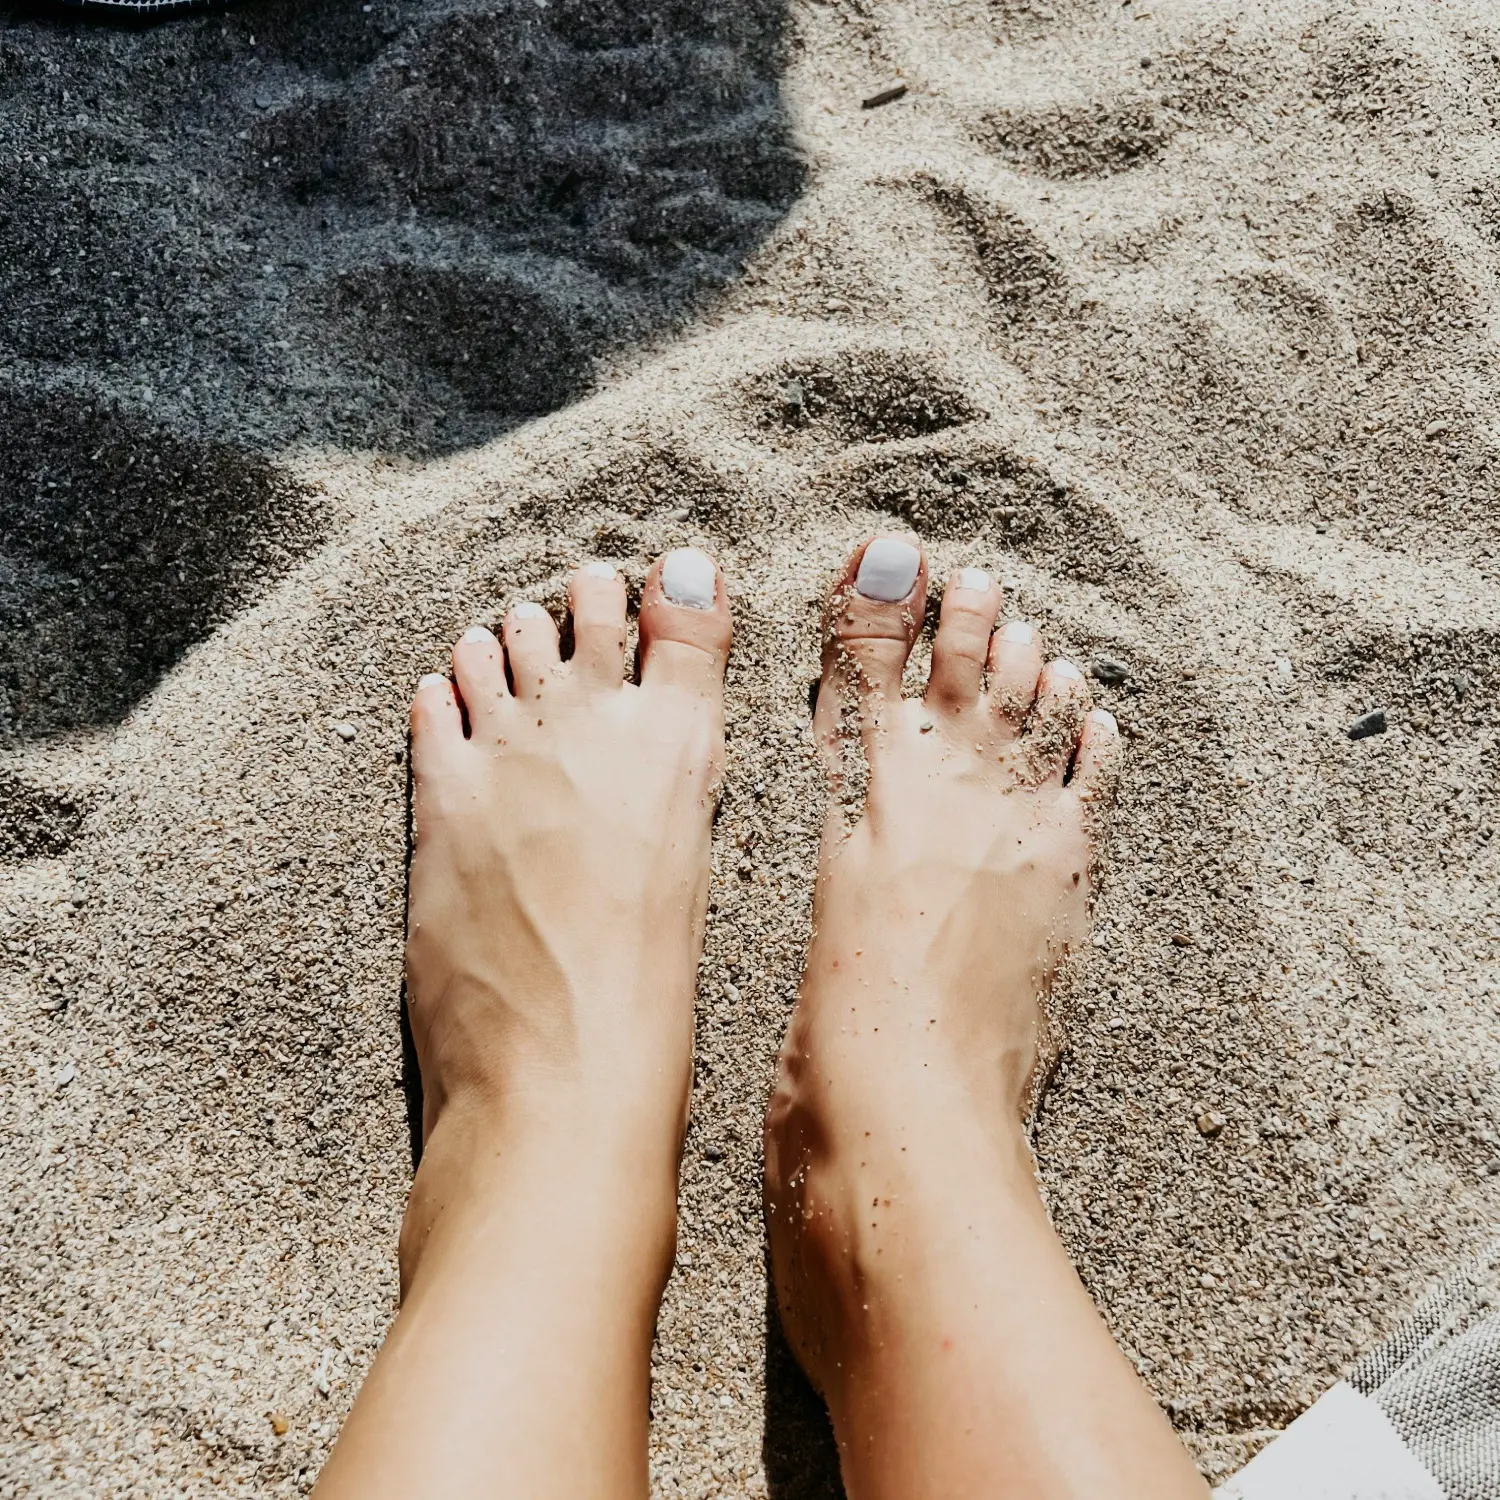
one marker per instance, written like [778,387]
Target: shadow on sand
[400,228]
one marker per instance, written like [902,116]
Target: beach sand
[329,329]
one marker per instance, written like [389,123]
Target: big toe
[684,623]
[874,614]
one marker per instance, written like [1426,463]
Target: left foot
[559,884]
[555,921]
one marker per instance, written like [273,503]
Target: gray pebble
[345,731]
[1367,724]
[1107,670]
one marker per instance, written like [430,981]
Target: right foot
[900,1196]
[941,915]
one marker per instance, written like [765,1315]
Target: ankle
[558,1175]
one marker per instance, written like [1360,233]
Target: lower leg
[918,1277]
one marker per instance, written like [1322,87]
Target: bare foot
[558,892]
[559,884]
[903,1214]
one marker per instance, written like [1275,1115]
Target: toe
[437,726]
[597,595]
[873,616]
[531,649]
[970,604]
[685,626]
[1052,736]
[1096,766]
[1015,666]
[479,671]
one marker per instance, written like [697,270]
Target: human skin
[558,895]
[919,1280]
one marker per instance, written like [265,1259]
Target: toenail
[1105,720]
[527,611]
[1019,632]
[888,569]
[600,570]
[688,578]
[1063,668]
[432,679]
[974,578]
[478,633]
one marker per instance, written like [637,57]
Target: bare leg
[918,1278]
[558,895]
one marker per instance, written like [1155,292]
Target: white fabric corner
[1343,1447]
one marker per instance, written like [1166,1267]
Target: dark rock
[1367,724]
[1107,670]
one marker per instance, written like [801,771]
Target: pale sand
[1199,353]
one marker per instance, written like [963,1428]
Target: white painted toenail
[1062,668]
[687,578]
[432,679]
[1105,720]
[974,578]
[600,570]
[1019,632]
[477,633]
[888,569]
[527,611]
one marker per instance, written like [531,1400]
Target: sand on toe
[330,330]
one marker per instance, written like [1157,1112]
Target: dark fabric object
[137,7]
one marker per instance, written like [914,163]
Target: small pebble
[1181,940]
[278,1424]
[1210,1123]
[1435,429]
[345,731]
[65,1075]
[713,1153]
[885,96]
[1367,724]
[1107,670]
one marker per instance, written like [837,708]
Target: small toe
[531,649]
[437,725]
[597,596]
[1101,751]
[1015,667]
[1056,721]
[479,671]
[685,628]
[960,648]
